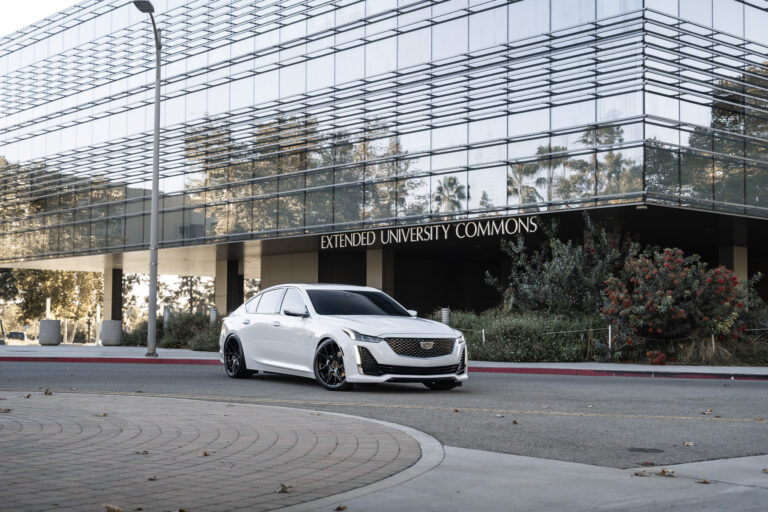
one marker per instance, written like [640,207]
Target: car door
[261,330]
[294,334]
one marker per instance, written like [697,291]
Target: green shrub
[182,327]
[529,337]
[206,339]
[137,337]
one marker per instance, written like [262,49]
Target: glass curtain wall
[285,117]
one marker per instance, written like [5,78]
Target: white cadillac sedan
[340,335]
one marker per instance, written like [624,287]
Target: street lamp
[146,7]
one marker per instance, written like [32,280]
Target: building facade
[285,123]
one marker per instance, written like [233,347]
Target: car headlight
[460,339]
[362,337]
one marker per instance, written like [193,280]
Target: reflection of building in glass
[284,119]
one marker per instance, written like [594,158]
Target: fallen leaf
[765,470]
[28,396]
[204,454]
[138,508]
[647,464]
[718,416]
[514,422]
[689,443]
[5,409]
[340,508]
[708,411]
[284,489]
[456,410]
[640,473]
[703,481]
[73,389]
[314,414]
[112,508]
[101,414]
[47,391]
[590,407]
[142,452]
[667,472]
[152,478]
[499,415]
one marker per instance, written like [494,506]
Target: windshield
[354,302]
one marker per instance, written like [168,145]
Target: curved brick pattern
[61,452]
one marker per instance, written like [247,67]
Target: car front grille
[412,347]
[369,364]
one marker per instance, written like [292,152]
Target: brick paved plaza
[72,451]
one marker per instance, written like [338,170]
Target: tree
[189,293]
[449,195]
[74,295]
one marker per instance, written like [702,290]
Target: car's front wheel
[329,366]
[444,385]
[234,362]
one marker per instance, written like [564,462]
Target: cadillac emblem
[426,345]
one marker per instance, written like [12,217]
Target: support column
[288,268]
[735,258]
[229,285]
[110,330]
[380,270]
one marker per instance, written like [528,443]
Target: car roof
[325,286]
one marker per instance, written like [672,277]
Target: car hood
[402,326]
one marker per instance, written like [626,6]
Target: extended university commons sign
[431,232]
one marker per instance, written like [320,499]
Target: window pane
[449,193]
[449,38]
[414,48]
[381,56]
[487,188]
[488,28]
[528,18]
[566,13]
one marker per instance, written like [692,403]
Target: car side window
[293,301]
[250,306]
[270,301]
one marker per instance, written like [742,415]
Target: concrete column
[735,258]
[113,293]
[229,285]
[379,270]
[300,267]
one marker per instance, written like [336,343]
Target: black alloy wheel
[441,385]
[234,362]
[329,366]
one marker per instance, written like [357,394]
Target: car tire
[329,366]
[441,385]
[234,361]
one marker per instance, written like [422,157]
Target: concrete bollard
[111,333]
[50,332]
[445,314]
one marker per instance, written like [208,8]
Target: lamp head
[144,6]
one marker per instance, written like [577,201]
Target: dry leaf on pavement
[152,478]
[28,396]
[101,414]
[284,489]
[514,422]
[112,508]
[499,415]
[667,472]
[5,409]
[765,470]
[639,473]
[689,443]
[647,463]
[47,391]
[703,481]
[142,452]
[340,508]
[708,411]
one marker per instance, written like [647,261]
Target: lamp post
[146,7]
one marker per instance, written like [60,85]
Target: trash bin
[111,333]
[50,332]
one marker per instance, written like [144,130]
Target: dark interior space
[342,267]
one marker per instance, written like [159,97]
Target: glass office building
[286,120]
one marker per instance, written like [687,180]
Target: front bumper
[377,363]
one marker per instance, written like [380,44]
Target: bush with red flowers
[664,295]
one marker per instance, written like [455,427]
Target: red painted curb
[617,373]
[129,360]
[474,369]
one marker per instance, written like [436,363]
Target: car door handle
[246,321]
[276,323]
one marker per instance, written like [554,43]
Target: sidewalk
[77,353]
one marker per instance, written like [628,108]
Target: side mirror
[412,312]
[296,312]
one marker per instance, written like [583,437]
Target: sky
[17,15]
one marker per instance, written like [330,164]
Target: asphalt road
[608,421]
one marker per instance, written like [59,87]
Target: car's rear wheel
[329,366]
[234,362]
[441,384]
